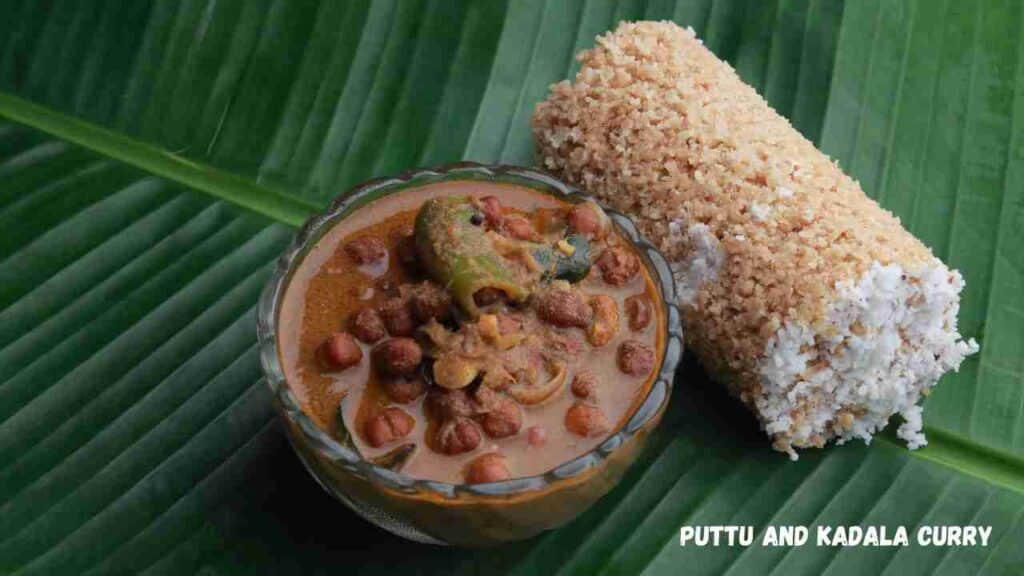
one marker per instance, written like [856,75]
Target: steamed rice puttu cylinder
[808,300]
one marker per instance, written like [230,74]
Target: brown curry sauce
[329,288]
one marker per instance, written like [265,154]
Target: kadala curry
[471,331]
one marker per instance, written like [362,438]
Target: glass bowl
[461,514]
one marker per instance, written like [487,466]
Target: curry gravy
[328,288]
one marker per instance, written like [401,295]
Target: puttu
[802,295]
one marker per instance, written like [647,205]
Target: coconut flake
[891,335]
[704,259]
[760,211]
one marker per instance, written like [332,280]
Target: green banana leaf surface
[157,155]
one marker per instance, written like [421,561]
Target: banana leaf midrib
[258,197]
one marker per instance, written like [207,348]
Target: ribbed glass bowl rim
[330,449]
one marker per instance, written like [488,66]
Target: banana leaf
[156,156]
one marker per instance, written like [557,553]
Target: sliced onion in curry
[527,394]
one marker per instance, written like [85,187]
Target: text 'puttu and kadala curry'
[471,331]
